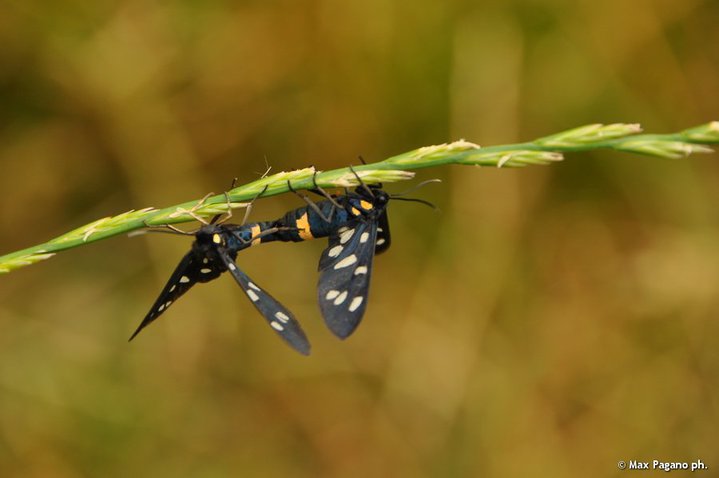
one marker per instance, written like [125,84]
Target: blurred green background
[550,321]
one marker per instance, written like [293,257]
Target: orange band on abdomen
[303,224]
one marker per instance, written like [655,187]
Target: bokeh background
[550,321]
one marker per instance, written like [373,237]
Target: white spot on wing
[361,270]
[231,266]
[204,261]
[332,294]
[277,326]
[173,287]
[342,229]
[347,261]
[205,270]
[253,286]
[161,308]
[252,295]
[335,251]
[282,317]
[364,237]
[340,298]
[356,302]
[184,280]
[346,235]
[380,241]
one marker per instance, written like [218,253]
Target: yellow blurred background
[549,322]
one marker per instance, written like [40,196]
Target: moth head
[210,236]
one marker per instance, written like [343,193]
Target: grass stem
[618,137]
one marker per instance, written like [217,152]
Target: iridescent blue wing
[345,270]
[280,319]
[383,237]
[191,270]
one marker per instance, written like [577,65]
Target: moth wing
[384,239]
[277,316]
[345,271]
[188,272]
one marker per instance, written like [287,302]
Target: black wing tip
[342,331]
[135,333]
[304,349]
[143,324]
[341,325]
[342,335]
[298,341]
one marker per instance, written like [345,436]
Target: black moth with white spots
[214,252]
[357,227]
[346,265]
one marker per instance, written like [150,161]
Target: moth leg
[229,206]
[172,229]
[311,204]
[191,211]
[317,189]
[362,184]
[249,206]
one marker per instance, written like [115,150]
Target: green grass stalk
[618,137]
